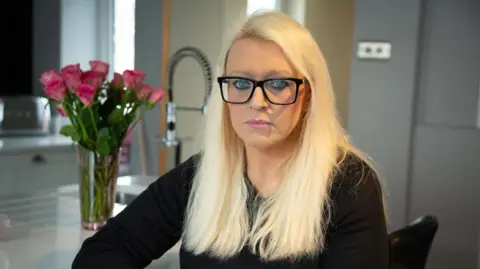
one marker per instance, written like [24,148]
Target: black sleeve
[357,237]
[145,229]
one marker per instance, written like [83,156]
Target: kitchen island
[46,231]
[31,163]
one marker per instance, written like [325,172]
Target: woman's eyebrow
[271,73]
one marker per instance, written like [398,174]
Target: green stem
[69,112]
[93,121]
[97,186]
[74,123]
[97,200]
[142,112]
[85,193]
[84,130]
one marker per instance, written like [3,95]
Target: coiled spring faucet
[170,139]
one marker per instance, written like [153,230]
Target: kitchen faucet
[170,138]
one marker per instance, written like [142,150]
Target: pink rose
[72,75]
[60,110]
[92,78]
[86,93]
[156,96]
[144,92]
[48,76]
[56,90]
[117,81]
[99,67]
[133,78]
[54,86]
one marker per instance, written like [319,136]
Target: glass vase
[97,188]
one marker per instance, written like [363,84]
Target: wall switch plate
[374,50]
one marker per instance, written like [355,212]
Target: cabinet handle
[38,159]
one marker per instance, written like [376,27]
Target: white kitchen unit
[32,163]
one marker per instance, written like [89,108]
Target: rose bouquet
[101,113]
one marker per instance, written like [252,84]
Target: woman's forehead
[255,57]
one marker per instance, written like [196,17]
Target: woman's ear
[307,98]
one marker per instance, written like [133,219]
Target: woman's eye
[279,84]
[242,84]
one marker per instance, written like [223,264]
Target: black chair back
[410,246]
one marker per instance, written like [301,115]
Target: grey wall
[335,42]
[148,38]
[382,93]
[446,140]
[417,113]
[85,32]
[46,39]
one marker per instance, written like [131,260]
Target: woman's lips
[258,123]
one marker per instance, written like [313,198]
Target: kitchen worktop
[46,231]
[17,144]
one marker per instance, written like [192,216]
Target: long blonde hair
[292,222]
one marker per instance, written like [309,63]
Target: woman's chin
[260,142]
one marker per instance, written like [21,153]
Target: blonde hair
[292,222]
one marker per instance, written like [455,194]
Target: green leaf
[103,145]
[90,118]
[69,130]
[115,117]
[104,132]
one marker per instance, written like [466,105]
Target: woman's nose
[258,101]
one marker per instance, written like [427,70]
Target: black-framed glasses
[277,91]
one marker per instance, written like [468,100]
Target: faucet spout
[170,139]
[197,54]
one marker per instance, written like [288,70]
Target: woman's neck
[265,168]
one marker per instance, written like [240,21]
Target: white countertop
[46,231]
[15,144]
[133,185]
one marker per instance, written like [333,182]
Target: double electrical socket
[374,50]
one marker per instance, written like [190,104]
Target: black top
[152,224]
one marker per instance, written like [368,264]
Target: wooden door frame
[165,56]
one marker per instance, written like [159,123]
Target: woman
[277,184]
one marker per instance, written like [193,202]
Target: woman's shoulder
[355,184]
[184,172]
[177,181]
[357,226]
[187,168]
[353,172]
